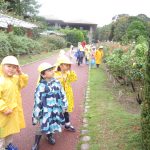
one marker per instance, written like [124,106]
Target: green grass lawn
[110,126]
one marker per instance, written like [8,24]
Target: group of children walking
[53,100]
[93,56]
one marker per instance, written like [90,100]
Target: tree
[111,33]
[135,29]
[3,6]
[73,36]
[120,27]
[143,17]
[103,33]
[12,6]
[29,7]
[125,29]
[22,7]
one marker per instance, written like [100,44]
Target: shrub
[19,31]
[12,44]
[47,46]
[22,45]
[58,41]
[18,45]
[68,44]
[74,36]
[5,46]
[145,117]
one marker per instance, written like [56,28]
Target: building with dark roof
[8,22]
[90,27]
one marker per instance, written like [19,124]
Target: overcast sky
[95,11]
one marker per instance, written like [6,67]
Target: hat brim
[51,67]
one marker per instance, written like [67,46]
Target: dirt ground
[125,95]
[128,101]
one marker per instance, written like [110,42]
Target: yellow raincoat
[10,98]
[98,56]
[66,80]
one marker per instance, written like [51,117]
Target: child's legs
[81,60]
[8,140]
[38,131]
[91,64]
[2,143]
[78,59]
[97,65]
[68,125]
[66,115]
[38,135]
[86,60]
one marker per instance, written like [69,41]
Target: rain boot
[50,138]
[37,141]
[11,147]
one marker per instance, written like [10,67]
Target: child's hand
[19,71]
[34,121]
[8,112]
[69,67]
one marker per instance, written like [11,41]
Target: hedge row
[11,44]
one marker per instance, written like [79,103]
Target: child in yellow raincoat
[87,54]
[98,56]
[12,80]
[66,76]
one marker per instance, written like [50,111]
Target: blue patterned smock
[49,105]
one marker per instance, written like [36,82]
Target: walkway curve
[64,140]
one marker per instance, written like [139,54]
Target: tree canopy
[20,7]
[125,29]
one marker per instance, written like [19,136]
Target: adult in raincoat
[98,56]
[12,80]
[66,76]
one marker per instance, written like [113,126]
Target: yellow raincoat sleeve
[72,76]
[23,80]
[3,105]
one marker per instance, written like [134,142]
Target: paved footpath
[65,140]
